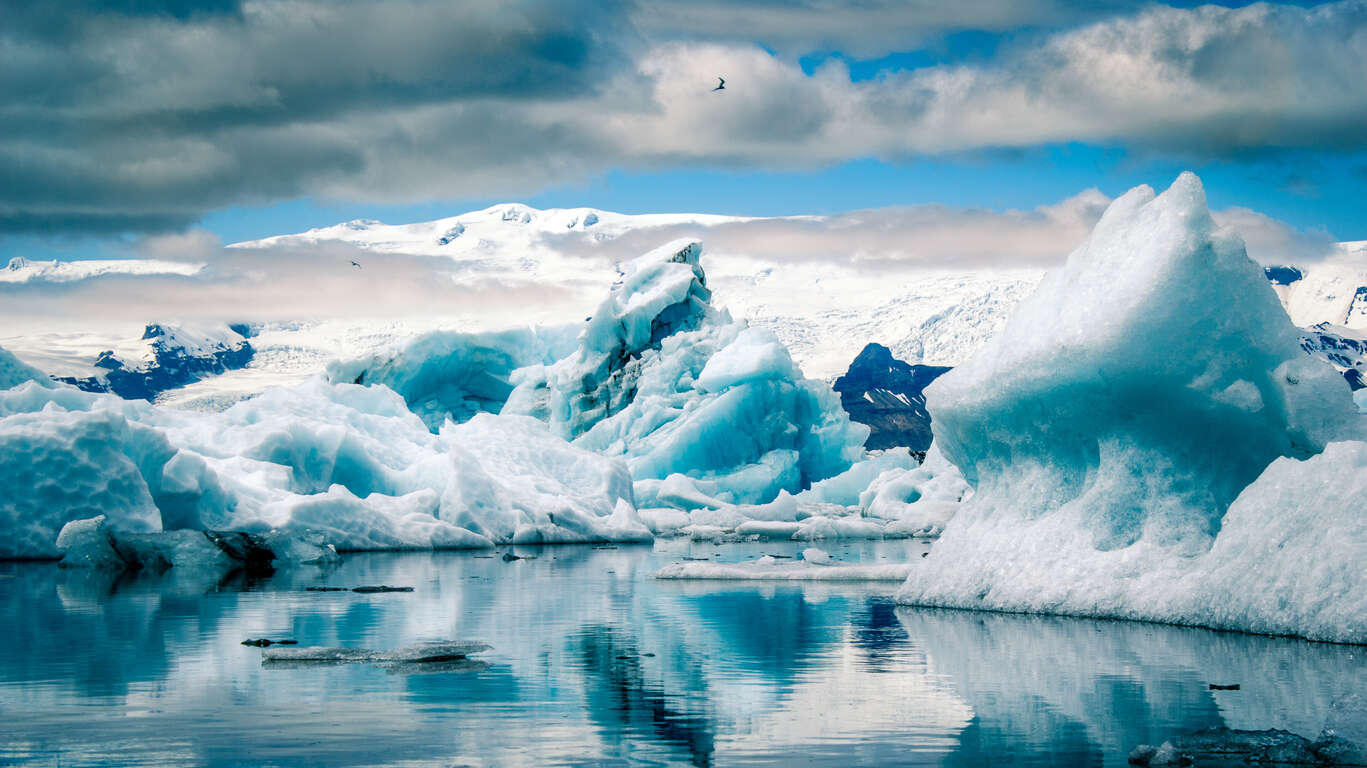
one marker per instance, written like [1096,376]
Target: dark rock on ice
[887,395]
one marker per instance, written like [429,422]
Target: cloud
[315,281]
[1271,241]
[868,29]
[114,121]
[882,241]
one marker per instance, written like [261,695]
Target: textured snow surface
[1114,430]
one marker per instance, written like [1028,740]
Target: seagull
[721,84]
[354,264]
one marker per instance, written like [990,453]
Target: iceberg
[449,375]
[90,544]
[674,386]
[1146,440]
[348,462]
[14,372]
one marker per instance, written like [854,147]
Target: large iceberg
[1118,434]
[675,386]
[347,461]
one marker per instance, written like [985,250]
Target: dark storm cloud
[141,116]
[158,112]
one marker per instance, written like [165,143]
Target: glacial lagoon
[594,663]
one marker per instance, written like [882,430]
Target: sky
[127,121]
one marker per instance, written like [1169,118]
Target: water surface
[596,664]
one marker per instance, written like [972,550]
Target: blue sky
[407,110]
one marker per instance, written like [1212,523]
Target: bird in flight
[354,264]
[721,84]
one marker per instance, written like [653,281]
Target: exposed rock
[886,394]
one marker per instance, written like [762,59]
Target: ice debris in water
[676,387]
[91,544]
[1343,741]
[430,652]
[816,556]
[768,568]
[1146,440]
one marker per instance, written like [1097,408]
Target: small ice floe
[419,653]
[815,565]
[1343,741]
[364,590]
[92,544]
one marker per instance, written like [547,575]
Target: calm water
[150,671]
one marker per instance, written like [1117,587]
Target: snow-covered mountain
[169,357]
[824,313]
[21,270]
[823,310]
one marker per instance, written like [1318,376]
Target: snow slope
[815,309]
[21,270]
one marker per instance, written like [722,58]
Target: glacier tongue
[1114,431]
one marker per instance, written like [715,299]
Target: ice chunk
[919,501]
[447,375]
[90,544]
[816,556]
[86,544]
[59,466]
[350,462]
[1114,431]
[1344,738]
[514,481]
[14,372]
[430,652]
[675,387]
[783,570]
[848,487]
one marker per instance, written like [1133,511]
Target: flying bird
[354,264]
[721,84]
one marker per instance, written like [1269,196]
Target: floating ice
[350,462]
[675,387]
[90,544]
[14,372]
[771,569]
[919,501]
[444,374]
[1114,430]
[443,650]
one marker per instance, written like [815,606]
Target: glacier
[1154,447]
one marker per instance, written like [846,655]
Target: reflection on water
[594,663]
